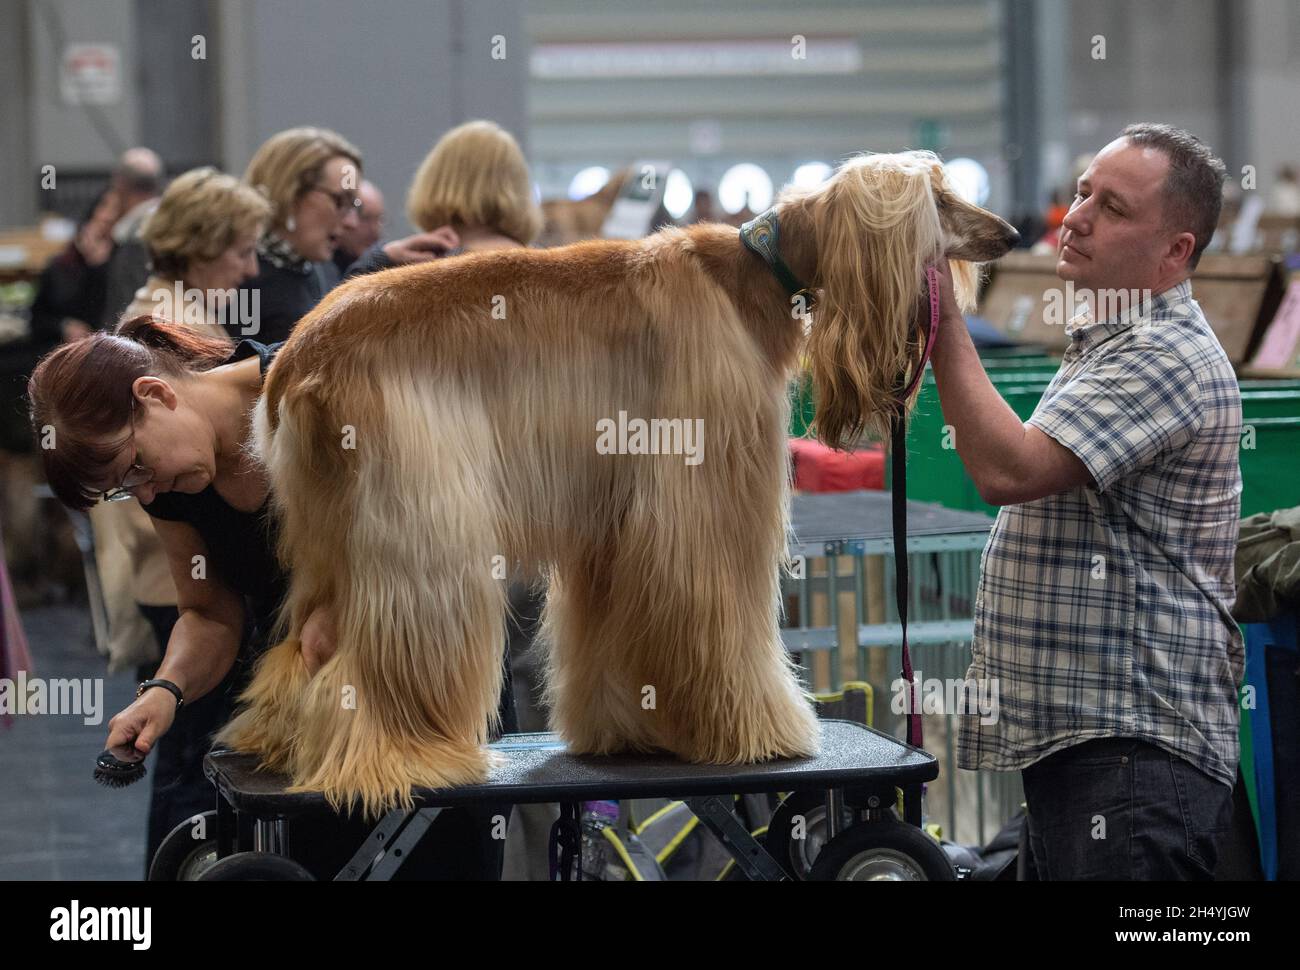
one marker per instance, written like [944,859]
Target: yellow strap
[621,849]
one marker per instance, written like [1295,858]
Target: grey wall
[390,78]
[938,63]
[176,90]
[393,75]
[1161,64]
[71,135]
[17,204]
[166,96]
[1227,70]
[1270,79]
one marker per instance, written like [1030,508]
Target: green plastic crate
[1270,470]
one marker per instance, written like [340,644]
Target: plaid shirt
[1104,612]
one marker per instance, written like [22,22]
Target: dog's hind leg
[403,531]
[673,644]
[590,704]
[691,636]
[713,680]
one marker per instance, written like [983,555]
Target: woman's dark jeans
[179,789]
[1120,808]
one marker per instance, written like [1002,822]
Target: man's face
[370,222]
[1114,236]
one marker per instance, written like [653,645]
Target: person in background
[201,237]
[355,240]
[476,181]
[310,175]
[138,181]
[71,290]
[703,209]
[1048,241]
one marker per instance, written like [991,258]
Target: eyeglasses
[343,201]
[135,476]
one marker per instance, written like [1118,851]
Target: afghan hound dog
[428,429]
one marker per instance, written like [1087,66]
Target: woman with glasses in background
[311,176]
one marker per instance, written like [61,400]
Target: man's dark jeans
[1120,808]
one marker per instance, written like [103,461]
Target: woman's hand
[318,639]
[133,732]
[95,243]
[423,246]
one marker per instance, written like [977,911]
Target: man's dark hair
[1194,185]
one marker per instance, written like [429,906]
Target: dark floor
[55,821]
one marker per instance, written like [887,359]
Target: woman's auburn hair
[476,175]
[200,216]
[289,163]
[81,401]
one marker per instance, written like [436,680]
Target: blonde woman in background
[476,181]
[202,243]
[203,240]
[311,177]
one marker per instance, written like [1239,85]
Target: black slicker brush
[116,773]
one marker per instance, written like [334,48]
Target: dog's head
[878,222]
[970,234]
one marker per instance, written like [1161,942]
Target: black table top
[537,768]
[829,516]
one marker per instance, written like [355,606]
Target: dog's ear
[877,227]
[965,283]
[965,275]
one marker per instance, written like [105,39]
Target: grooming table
[858,767]
[859,523]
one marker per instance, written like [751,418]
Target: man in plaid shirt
[1105,589]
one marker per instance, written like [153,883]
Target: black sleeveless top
[241,545]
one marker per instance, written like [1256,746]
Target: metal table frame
[859,767]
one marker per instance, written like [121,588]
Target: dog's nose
[1013,237]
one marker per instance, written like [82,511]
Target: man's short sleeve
[1121,414]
